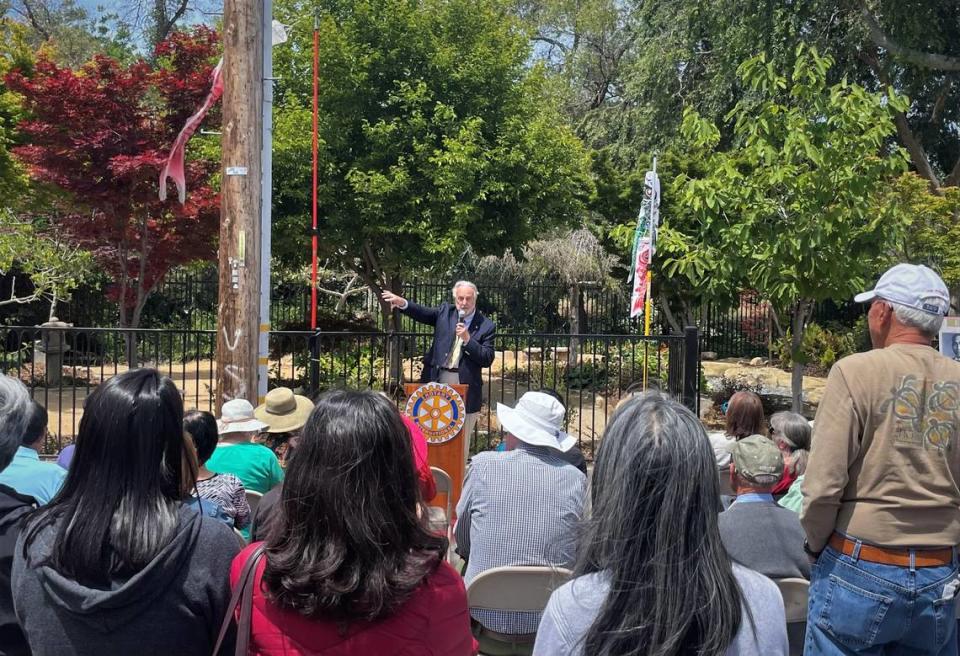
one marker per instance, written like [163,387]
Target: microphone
[461,313]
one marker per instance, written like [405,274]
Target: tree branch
[917,154]
[953,179]
[916,57]
[168,25]
[35,22]
[553,42]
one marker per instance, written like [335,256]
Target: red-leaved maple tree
[102,134]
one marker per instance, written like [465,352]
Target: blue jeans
[858,607]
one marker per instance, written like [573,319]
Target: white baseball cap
[911,285]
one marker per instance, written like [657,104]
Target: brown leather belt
[893,556]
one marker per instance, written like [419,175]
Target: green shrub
[819,349]
[727,386]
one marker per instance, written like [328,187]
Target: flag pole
[316,148]
[648,306]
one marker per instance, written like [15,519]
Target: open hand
[393,299]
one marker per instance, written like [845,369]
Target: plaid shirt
[518,507]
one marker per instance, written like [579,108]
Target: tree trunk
[798,321]
[573,354]
[672,320]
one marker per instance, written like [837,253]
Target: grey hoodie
[173,606]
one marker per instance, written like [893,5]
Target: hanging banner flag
[174,168]
[645,242]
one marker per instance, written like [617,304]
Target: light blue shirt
[27,474]
[754,497]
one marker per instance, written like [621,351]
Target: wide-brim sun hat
[236,416]
[536,420]
[283,411]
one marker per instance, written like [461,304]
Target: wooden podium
[448,454]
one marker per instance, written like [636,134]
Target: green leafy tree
[34,248]
[14,53]
[435,133]
[789,203]
[929,232]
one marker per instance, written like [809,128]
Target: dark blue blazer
[475,354]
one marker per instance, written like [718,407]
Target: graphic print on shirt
[926,413]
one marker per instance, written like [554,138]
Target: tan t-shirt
[885,457]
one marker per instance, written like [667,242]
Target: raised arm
[415,311]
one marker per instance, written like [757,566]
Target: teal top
[255,465]
[793,500]
[29,475]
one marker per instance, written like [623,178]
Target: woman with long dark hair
[349,562]
[225,490]
[116,563]
[653,577]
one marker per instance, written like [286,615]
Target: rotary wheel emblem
[439,411]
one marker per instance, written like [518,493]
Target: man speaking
[462,345]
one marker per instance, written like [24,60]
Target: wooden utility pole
[238,317]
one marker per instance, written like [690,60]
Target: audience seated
[653,576]
[574,455]
[755,530]
[255,465]
[349,566]
[284,413]
[264,515]
[27,474]
[116,564]
[744,418]
[521,507]
[792,433]
[224,490]
[15,411]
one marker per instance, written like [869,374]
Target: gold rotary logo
[439,411]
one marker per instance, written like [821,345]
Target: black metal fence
[188,300]
[591,372]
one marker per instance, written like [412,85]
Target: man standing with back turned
[462,345]
[881,506]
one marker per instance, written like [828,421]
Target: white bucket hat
[536,420]
[236,416]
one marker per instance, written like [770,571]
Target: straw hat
[284,411]
[537,419]
[236,416]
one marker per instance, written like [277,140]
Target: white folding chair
[795,593]
[253,498]
[513,588]
[439,518]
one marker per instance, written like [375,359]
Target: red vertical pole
[316,110]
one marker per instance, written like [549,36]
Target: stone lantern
[49,349]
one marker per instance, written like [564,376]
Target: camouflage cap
[757,459]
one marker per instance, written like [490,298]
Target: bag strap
[244,589]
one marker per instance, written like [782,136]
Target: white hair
[465,283]
[928,324]
[14,414]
